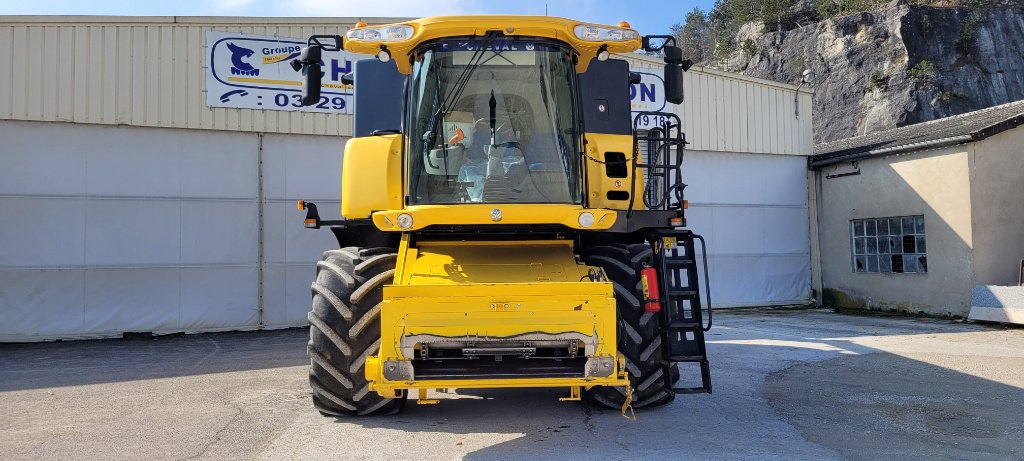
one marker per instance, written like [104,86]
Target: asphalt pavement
[787,385]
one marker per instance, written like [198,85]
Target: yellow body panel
[598,181]
[470,214]
[371,175]
[455,26]
[488,292]
[525,262]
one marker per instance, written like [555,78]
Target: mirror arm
[670,40]
[336,42]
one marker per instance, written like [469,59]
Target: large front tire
[344,329]
[639,332]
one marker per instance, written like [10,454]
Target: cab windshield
[491,121]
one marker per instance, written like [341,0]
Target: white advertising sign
[649,96]
[253,72]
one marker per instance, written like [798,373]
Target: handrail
[666,139]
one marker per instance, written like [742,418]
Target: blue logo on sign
[238,66]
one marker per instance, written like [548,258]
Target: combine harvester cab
[501,227]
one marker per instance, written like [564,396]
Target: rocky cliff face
[896,66]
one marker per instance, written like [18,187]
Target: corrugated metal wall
[728,112]
[151,72]
[138,71]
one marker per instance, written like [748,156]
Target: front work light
[604,34]
[395,33]
[404,220]
[586,219]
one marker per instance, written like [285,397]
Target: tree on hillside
[773,12]
[695,36]
[741,11]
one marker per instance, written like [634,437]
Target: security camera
[807,76]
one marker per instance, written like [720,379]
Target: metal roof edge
[857,153]
[817,161]
[994,129]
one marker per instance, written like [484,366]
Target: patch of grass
[877,80]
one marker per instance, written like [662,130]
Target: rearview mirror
[675,65]
[673,83]
[309,64]
[311,74]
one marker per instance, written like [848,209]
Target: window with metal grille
[889,245]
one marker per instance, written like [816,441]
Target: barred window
[889,245]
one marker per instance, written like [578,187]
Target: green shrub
[877,79]
[924,73]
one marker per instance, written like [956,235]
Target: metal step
[674,263]
[686,358]
[684,326]
[692,390]
[679,287]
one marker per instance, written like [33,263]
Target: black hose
[707,282]
[492,105]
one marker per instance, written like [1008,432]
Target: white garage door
[118,229]
[752,209]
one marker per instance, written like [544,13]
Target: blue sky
[649,17]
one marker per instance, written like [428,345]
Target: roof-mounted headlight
[605,34]
[394,33]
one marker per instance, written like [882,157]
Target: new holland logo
[238,66]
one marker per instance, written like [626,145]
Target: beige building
[911,219]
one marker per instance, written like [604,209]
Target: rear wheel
[639,332]
[344,329]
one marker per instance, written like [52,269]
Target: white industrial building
[129,204]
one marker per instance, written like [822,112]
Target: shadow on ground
[875,406]
[75,363]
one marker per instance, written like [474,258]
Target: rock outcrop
[896,66]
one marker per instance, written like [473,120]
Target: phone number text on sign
[253,72]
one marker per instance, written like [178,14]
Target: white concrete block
[997,304]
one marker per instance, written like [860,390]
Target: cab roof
[438,27]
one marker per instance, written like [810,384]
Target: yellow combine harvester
[501,227]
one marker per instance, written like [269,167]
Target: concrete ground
[788,385]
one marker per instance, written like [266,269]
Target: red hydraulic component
[652,296]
